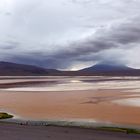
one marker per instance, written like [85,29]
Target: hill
[13,69]
[110,70]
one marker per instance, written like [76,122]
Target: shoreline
[81,123]
[28,132]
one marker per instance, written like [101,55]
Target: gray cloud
[103,45]
[54,33]
[121,36]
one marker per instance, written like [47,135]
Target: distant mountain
[110,69]
[106,68]
[13,69]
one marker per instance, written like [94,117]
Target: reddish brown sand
[90,104]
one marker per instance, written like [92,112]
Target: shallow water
[78,83]
[90,98]
[129,102]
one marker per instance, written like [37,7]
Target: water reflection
[77,83]
[129,102]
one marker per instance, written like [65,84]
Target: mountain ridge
[14,69]
[106,67]
[110,70]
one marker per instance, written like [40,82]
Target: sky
[70,34]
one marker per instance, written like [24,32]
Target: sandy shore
[22,132]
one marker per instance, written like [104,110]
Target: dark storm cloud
[120,36]
[92,31]
[40,60]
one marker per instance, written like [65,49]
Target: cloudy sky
[70,34]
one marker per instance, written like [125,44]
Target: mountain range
[110,70]
[13,69]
